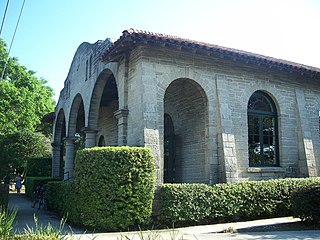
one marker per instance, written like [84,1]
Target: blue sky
[50,31]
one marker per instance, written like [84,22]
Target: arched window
[262,131]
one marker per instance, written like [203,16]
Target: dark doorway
[169,153]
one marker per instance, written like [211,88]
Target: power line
[4,16]
[14,34]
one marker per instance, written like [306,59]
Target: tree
[17,147]
[24,99]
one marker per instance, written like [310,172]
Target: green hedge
[193,204]
[39,167]
[32,182]
[113,189]
[306,203]
[4,194]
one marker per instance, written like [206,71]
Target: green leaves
[112,189]
[17,147]
[189,204]
[24,99]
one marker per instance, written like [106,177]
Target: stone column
[122,116]
[226,141]
[90,137]
[70,155]
[55,160]
[307,161]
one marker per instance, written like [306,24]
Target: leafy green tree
[24,101]
[24,98]
[17,147]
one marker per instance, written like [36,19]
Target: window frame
[261,115]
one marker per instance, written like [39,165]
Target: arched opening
[101,141]
[104,103]
[60,135]
[169,150]
[186,104]
[77,122]
[263,140]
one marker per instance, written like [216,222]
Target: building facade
[209,114]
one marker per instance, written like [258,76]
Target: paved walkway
[26,213]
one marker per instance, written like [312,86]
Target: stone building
[209,114]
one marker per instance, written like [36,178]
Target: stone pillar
[307,162]
[122,117]
[55,160]
[90,137]
[226,141]
[70,155]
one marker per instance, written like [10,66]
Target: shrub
[114,187]
[306,203]
[32,182]
[4,194]
[182,203]
[39,167]
[187,204]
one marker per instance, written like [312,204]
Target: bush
[306,203]
[39,167]
[4,194]
[114,187]
[32,182]
[188,204]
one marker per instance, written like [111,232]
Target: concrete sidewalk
[26,214]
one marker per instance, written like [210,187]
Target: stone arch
[60,127]
[76,117]
[58,147]
[186,103]
[104,102]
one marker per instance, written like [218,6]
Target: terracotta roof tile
[132,36]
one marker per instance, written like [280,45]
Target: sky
[50,31]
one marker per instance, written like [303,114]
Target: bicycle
[39,198]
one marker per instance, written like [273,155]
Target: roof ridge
[209,46]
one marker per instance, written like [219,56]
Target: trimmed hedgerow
[39,167]
[62,199]
[32,182]
[193,204]
[113,187]
[306,203]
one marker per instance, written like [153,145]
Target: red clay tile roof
[131,38]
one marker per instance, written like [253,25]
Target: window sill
[265,170]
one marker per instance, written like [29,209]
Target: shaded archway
[58,146]
[186,104]
[77,117]
[76,138]
[104,103]
[169,150]
[101,141]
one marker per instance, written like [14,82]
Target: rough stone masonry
[209,114]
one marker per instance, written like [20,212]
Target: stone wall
[206,98]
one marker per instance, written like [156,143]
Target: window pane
[260,102]
[262,132]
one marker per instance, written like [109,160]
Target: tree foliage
[24,98]
[17,147]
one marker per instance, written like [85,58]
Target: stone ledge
[265,170]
